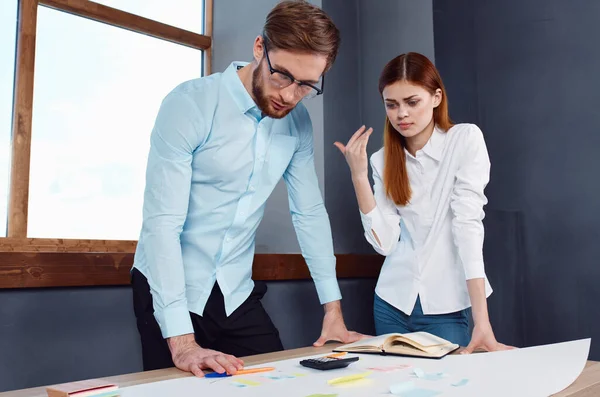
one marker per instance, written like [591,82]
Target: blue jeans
[453,327]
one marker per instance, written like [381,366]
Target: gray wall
[373,32]
[276,233]
[342,104]
[54,335]
[526,72]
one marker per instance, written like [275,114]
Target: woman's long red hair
[416,69]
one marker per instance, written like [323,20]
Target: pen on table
[240,372]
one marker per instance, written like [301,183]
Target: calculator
[325,363]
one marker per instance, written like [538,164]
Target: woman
[426,212]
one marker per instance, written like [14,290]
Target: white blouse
[435,243]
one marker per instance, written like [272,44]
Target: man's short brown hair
[296,25]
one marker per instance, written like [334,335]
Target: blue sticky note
[435,376]
[419,373]
[461,382]
[400,388]
[421,393]
[408,389]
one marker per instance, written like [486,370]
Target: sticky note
[349,378]
[435,376]
[461,382]
[245,382]
[400,388]
[421,393]
[419,373]
[408,389]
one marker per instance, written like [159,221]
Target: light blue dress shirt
[213,162]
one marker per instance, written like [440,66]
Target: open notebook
[418,344]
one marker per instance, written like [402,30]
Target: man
[219,146]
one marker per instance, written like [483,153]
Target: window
[8,29]
[88,85]
[96,96]
[184,14]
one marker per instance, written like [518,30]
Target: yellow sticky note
[247,382]
[349,378]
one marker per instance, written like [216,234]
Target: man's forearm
[177,343]
[332,307]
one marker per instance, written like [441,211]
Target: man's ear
[258,50]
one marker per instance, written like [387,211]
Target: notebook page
[375,342]
[425,339]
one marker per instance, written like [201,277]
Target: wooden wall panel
[63,269]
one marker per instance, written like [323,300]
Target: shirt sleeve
[382,223]
[309,217]
[174,138]
[467,201]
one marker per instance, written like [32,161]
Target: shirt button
[251,188]
[228,239]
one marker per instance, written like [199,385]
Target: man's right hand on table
[189,356]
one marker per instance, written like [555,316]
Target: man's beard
[263,103]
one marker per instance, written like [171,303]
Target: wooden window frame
[18,200]
[55,262]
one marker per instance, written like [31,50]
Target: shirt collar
[435,146]
[237,90]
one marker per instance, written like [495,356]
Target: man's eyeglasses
[283,79]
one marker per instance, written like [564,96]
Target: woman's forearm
[476,287]
[364,194]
